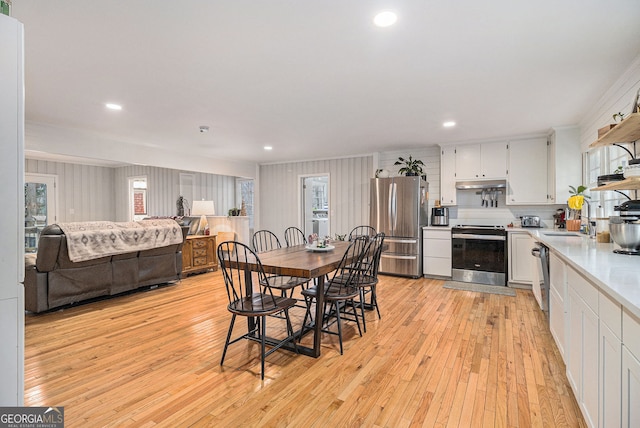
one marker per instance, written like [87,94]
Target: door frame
[51,180]
[301,214]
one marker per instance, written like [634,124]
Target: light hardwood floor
[437,358]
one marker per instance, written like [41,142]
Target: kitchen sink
[565,234]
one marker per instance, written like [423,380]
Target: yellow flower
[575,202]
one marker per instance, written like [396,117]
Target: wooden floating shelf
[626,131]
[631,183]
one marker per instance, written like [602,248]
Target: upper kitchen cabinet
[481,161]
[527,172]
[564,162]
[448,176]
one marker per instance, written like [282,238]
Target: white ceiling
[316,79]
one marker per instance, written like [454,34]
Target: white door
[40,207]
[314,204]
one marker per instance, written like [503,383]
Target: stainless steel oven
[479,254]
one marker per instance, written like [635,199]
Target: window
[602,161]
[40,202]
[244,193]
[137,198]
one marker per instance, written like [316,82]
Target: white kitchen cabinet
[610,391]
[12,214]
[481,161]
[564,163]
[468,162]
[448,176]
[436,248]
[521,262]
[630,389]
[583,350]
[527,172]
[557,299]
[630,370]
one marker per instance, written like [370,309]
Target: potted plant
[410,166]
[575,202]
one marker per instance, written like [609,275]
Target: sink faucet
[590,228]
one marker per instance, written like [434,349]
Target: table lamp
[203,209]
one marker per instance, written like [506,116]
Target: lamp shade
[203,208]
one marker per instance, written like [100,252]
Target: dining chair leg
[292,337]
[355,313]
[364,321]
[374,300]
[226,343]
[262,345]
[339,326]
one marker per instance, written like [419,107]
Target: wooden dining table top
[301,262]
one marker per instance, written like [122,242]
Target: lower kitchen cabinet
[557,299]
[583,356]
[631,389]
[630,371]
[600,342]
[610,314]
[610,381]
[436,248]
[521,262]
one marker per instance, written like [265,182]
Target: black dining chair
[368,280]
[265,240]
[294,236]
[339,292]
[362,231]
[246,302]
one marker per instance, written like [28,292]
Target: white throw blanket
[95,239]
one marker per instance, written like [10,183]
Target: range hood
[481,184]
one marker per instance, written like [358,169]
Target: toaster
[530,221]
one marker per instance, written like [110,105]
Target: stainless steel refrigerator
[399,209]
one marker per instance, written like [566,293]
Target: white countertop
[617,275]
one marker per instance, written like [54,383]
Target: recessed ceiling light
[385,19]
[268,148]
[449,124]
[112,106]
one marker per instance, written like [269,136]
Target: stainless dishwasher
[541,284]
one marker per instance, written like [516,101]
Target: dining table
[305,262]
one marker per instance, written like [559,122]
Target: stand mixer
[625,228]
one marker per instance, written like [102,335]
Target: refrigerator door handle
[401,241]
[393,206]
[395,257]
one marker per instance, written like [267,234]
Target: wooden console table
[199,254]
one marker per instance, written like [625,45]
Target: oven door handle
[480,237]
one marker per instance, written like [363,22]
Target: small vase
[573,225]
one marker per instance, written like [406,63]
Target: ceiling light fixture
[112,106]
[449,124]
[268,148]
[385,19]
[204,129]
